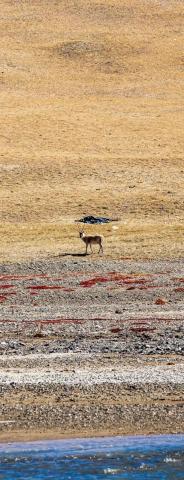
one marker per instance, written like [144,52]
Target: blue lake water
[131,458]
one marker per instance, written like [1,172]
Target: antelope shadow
[70,254]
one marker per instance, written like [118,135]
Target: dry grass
[91,123]
[132,240]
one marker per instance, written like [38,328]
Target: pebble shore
[90,347]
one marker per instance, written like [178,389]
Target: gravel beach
[91,347]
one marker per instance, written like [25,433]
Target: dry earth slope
[91,123]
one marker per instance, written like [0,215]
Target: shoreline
[18,437]
[90,441]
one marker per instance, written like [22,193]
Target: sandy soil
[91,123]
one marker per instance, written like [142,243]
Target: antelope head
[81,233]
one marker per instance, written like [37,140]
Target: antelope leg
[101,249]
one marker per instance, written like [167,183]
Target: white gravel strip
[148,374]
[49,356]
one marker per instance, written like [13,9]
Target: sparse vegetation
[91,123]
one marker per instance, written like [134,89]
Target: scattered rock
[90,219]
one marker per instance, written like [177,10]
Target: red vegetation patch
[115,330]
[68,320]
[160,301]
[60,320]
[133,281]
[93,281]
[45,287]
[7,320]
[136,286]
[49,321]
[2,298]
[114,277]
[142,330]
[179,289]
[6,294]
[7,286]
[126,279]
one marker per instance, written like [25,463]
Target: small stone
[3,345]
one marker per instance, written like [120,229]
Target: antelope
[91,239]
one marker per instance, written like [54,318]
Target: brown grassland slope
[92,120]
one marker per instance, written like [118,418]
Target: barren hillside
[91,123]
